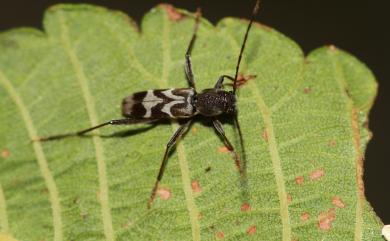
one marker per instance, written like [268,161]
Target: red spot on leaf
[299,180]
[223,149]
[245,207]
[338,202]
[164,193]
[265,135]
[305,216]
[289,199]
[5,153]
[172,12]
[220,235]
[307,90]
[325,219]
[196,186]
[251,230]
[317,174]
[242,79]
[332,143]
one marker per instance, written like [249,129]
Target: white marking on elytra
[189,108]
[149,101]
[177,99]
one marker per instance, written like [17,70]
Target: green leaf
[303,121]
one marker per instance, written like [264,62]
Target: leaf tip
[332,48]
[173,14]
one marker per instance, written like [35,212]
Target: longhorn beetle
[184,103]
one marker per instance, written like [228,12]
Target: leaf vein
[185,173]
[273,150]
[41,158]
[340,78]
[4,227]
[99,152]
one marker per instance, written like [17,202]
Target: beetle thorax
[213,102]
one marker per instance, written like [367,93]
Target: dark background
[359,27]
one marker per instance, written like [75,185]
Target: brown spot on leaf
[164,193]
[45,190]
[220,235]
[332,143]
[98,195]
[127,224]
[172,12]
[325,219]
[5,153]
[194,130]
[84,215]
[242,80]
[338,202]
[299,180]
[365,124]
[196,186]
[305,216]
[289,199]
[317,174]
[200,216]
[245,207]
[223,149]
[251,230]
[265,135]
[307,90]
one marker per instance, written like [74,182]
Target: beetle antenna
[254,13]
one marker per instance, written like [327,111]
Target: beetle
[180,103]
